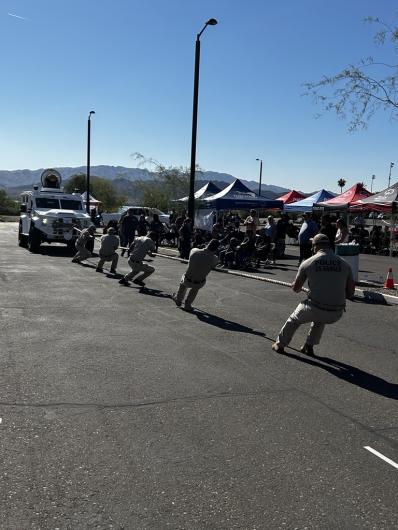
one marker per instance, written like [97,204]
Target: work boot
[308,349]
[174,297]
[278,347]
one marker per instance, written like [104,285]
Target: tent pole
[392,226]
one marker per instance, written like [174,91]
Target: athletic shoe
[278,348]
[75,260]
[113,271]
[99,270]
[308,349]
[188,308]
[139,282]
[174,297]
[123,282]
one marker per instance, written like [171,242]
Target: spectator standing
[185,238]
[328,229]
[270,232]
[142,226]
[251,223]
[180,220]
[127,227]
[307,231]
[156,227]
[282,227]
[330,282]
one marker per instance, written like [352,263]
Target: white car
[148,212]
[137,210]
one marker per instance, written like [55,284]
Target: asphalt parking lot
[121,411]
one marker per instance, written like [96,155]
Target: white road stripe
[388,460]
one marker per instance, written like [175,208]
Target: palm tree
[341,183]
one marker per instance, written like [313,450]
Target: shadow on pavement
[222,323]
[59,251]
[349,373]
[154,292]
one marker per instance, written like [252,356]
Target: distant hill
[124,179]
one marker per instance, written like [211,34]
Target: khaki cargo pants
[139,266]
[304,313]
[193,290]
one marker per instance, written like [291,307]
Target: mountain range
[15,181]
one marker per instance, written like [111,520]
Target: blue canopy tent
[205,191]
[237,196]
[305,205]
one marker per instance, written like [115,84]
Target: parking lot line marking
[388,460]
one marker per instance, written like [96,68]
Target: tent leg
[392,226]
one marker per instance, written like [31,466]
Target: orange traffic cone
[389,283]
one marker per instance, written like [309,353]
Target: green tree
[341,183]
[168,184]
[7,205]
[101,188]
[358,91]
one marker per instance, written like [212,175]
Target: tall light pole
[371,184]
[191,196]
[88,160]
[261,174]
[389,175]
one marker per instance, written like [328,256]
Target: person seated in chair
[246,250]
[227,256]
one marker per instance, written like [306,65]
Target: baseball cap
[321,240]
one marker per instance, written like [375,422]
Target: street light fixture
[261,174]
[191,196]
[88,160]
[389,175]
[371,184]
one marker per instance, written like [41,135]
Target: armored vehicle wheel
[34,240]
[22,239]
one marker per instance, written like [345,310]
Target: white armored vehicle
[49,215]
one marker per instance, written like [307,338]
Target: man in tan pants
[85,236]
[330,282]
[107,251]
[201,261]
[139,248]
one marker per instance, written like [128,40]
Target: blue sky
[132,62]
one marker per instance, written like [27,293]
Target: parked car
[148,212]
[137,210]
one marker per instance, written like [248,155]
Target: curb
[372,296]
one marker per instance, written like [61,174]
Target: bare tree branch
[356,95]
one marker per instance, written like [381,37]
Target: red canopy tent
[346,199]
[291,196]
[384,201]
